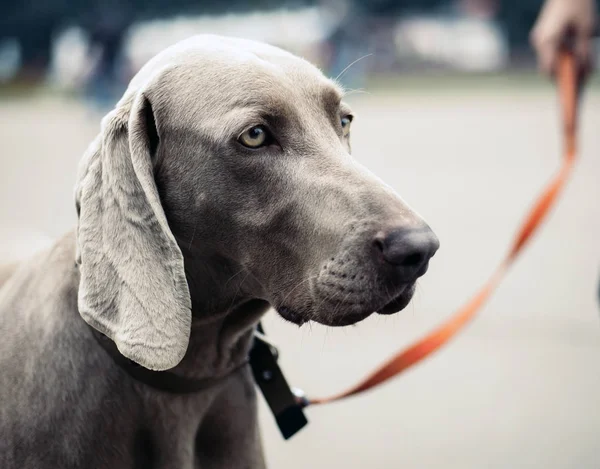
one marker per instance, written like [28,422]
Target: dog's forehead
[233,69]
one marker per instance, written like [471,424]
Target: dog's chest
[213,429]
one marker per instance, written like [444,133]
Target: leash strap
[568,93]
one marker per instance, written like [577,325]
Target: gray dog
[220,185]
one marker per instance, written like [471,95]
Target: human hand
[565,23]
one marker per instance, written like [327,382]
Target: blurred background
[451,113]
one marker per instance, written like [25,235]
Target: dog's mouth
[348,318]
[399,302]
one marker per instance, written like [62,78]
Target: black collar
[166,381]
[263,360]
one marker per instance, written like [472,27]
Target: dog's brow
[331,97]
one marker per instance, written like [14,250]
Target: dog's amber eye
[255,137]
[345,121]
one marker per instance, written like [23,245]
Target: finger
[547,53]
[583,54]
[546,42]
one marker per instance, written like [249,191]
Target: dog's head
[238,154]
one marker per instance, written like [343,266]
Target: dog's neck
[224,314]
[220,343]
[224,317]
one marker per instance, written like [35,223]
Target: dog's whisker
[302,282]
[243,269]
[255,277]
[341,74]
[356,91]
[193,234]
[235,296]
[324,340]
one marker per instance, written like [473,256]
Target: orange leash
[568,93]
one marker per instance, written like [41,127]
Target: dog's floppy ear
[133,287]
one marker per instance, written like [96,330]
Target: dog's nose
[408,250]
